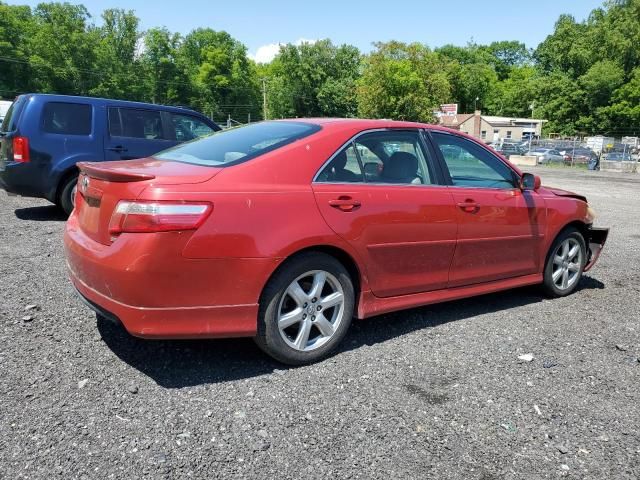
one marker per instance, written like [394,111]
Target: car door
[382,194]
[134,133]
[500,227]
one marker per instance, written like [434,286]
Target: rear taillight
[150,216]
[20,149]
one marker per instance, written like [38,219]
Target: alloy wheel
[311,310]
[567,264]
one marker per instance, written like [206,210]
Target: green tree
[15,29]
[165,80]
[507,55]
[115,56]
[404,82]
[224,79]
[514,95]
[62,51]
[314,79]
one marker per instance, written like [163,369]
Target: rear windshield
[9,124]
[238,145]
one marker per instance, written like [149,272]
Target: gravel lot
[434,392]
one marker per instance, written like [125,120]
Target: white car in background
[4,108]
[547,155]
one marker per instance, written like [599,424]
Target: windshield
[236,145]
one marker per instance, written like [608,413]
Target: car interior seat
[402,167]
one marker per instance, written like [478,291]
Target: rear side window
[237,145]
[67,118]
[10,122]
[344,168]
[187,127]
[135,123]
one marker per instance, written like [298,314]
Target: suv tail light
[157,216]
[21,149]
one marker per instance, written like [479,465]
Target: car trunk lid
[102,185]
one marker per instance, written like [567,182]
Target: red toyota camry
[286,230]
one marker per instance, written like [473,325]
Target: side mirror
[529,181]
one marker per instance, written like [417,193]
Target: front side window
[135,123]
[236,145]
[344,168]
[187,127]
[393,157]
[67,118]
[470,165]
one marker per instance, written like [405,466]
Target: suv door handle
[345,203]
[469,206]
[118,149]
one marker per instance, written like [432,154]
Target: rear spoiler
[102,171]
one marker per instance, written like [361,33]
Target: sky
[263,25]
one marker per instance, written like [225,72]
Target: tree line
[583,78]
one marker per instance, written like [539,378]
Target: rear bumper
[595,242]
[144,282]
[23,179]
[173,323]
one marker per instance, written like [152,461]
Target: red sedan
[286,230]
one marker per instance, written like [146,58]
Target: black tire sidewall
[269,338]
[65,200]
[548,284]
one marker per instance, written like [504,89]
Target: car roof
[339,124]
[110,102]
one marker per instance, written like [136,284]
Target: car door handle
[118,149]
[469,206]
[346,204]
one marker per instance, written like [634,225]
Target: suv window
[471,165]
[135,123]
[10,121]
[67,118]
[344,168]
[393,157]
[187,127]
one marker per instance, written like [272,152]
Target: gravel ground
[434,392]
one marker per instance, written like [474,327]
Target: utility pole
[532,107]
[264,98]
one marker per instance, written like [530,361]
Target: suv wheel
[68,194]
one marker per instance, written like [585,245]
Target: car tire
[305,309]
[66,199]
[565,263]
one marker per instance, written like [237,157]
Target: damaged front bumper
[595,242]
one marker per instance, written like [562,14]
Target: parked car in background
[286,230]
[617,157]
[4,108]
[43,137]
[508,149]
[579,156]
[547,155]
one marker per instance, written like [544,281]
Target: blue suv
[43,136]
